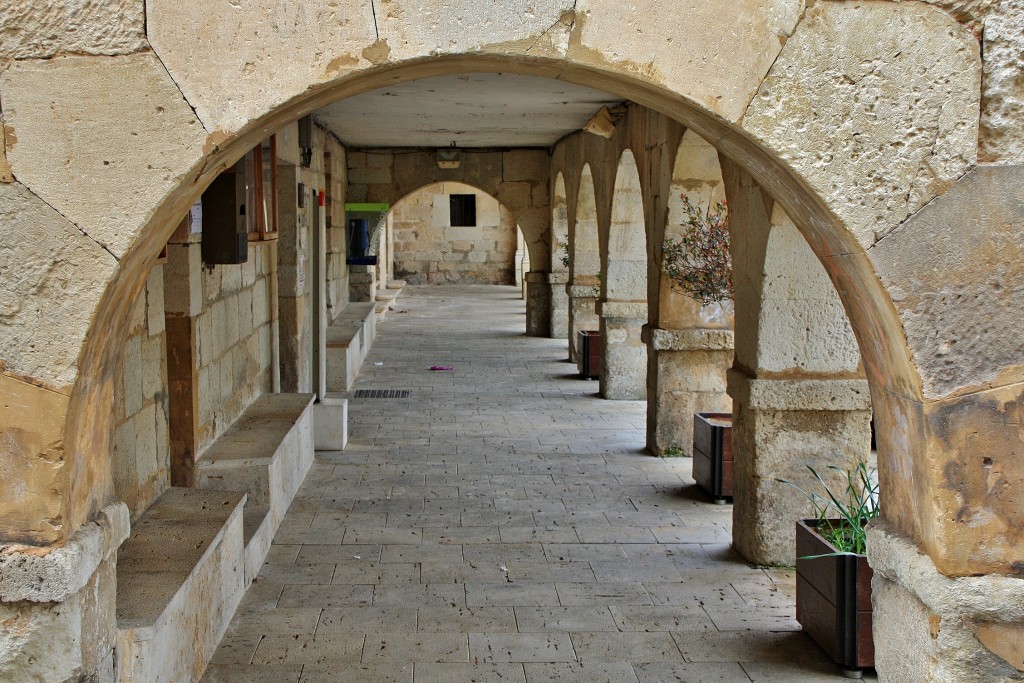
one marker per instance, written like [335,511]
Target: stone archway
[432,251]
[623,304]
[68,139]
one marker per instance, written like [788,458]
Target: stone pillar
[948,554]
[686,375]
[538,303]
[931,627]
[362,283]
[780,426]
[57,606]
[623,352]
[559,305]
[798,394]
[582,304]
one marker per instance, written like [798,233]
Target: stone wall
[235,339]
[430,250]
[141,464]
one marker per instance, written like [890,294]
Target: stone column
[582,301]
[686,375]
[798,394]
[538,304]
[948,555]
[58,607]
[623,352]
[362,283]
[780,426]
[559,305]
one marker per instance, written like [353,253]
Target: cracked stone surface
[876,105]
[30,29]
[504,524]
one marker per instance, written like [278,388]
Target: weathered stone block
[962,254]
[41,252]
[1002,95]
[725,80]
[929,627]
[852,79]
[77,141]
[39,30]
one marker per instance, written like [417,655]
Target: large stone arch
[584,259]
[560,257]
[848,177]
[505,218]
[623,304]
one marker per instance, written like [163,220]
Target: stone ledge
[985,598]
[558,278]
[53,575]
[580,291]
[632,310]
[696,339]
[536,277]
[798,394]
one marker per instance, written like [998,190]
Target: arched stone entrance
[794,109]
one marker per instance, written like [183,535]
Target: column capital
[632,310]
[36,574]
[798,394]
[580,291]
[692,339]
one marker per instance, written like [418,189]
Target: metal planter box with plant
[833,579]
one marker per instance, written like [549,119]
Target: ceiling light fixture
[449,158]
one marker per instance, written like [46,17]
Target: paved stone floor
[504,524]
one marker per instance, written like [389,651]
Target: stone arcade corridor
[504,524]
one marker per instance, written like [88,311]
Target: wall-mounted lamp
[449,158]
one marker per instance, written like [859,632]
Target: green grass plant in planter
[842,515]
[833,578]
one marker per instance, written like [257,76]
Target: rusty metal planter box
[833,598]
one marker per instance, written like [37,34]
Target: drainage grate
[383,393]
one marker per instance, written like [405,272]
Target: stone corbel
[989,608]
[37,574]
[625,310]
[537,277]
[798,394]
[696,339]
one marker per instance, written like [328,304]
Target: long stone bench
[349,339]
[386,298]
[180,577]
[267,453]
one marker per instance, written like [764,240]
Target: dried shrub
[698,262]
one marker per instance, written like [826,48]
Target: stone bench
[349,339]
[267,453]
[386,298]
[180,577]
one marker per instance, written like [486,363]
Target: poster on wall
[195,218]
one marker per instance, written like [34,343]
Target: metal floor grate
[382,393]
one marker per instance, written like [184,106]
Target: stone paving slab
[503,524]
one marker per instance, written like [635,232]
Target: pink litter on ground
[441,367]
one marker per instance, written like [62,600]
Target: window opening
[463,210]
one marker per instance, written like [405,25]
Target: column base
[624,355]
[932,628]
[538,304]
[57,605]
[686,375]
[780,427]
